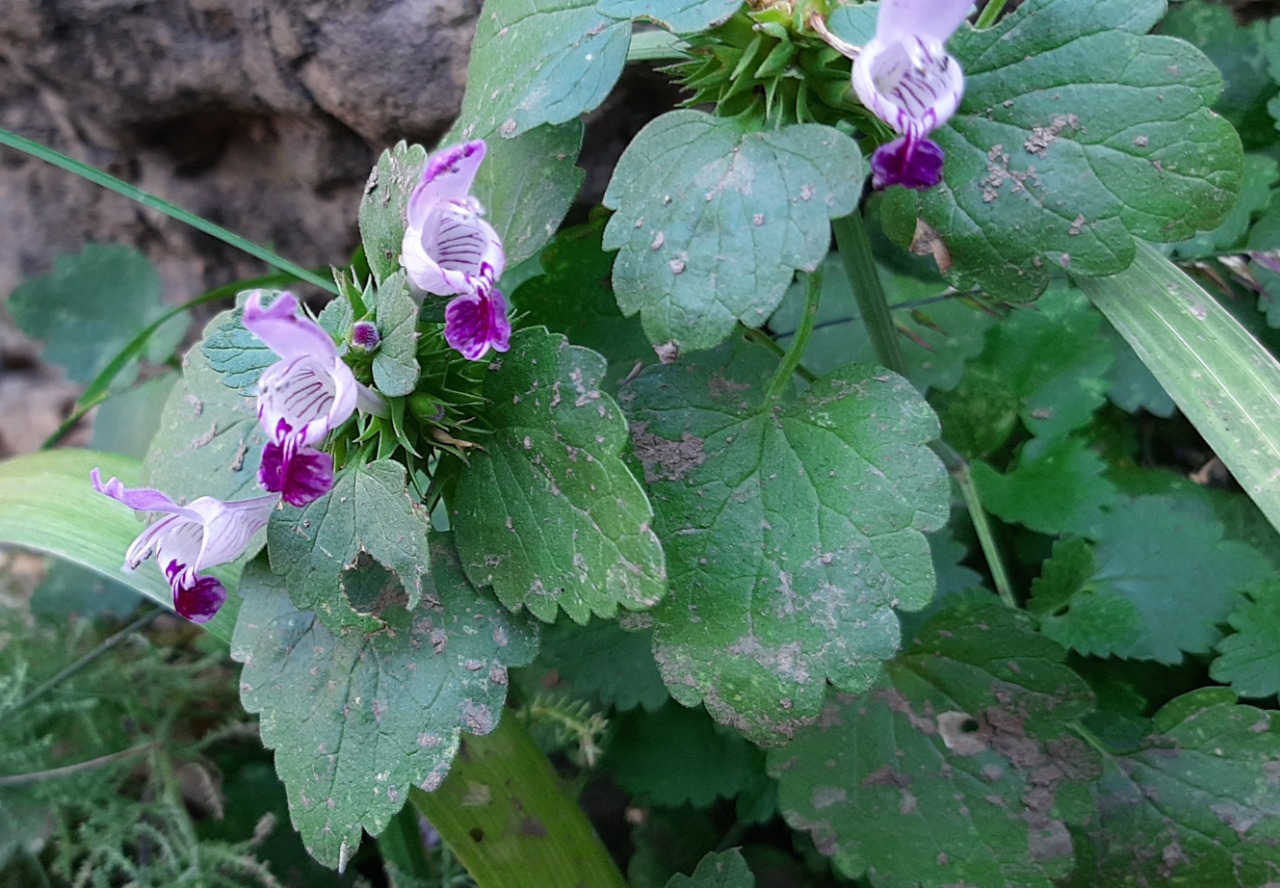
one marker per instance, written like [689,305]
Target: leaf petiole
[791,360]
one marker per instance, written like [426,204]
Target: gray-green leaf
[382,209]
[395,364]
[547,513]
[541,61]
[792,529]
[713,221]
[680,16]
[91,306]
[355,721]
[210,441]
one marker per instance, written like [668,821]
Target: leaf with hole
[357,720]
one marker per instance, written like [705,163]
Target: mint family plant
[849,537]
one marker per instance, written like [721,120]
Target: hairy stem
[98,177]
[504,815]
[855,250]
[78,767]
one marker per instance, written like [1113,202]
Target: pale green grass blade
[48,504]
[1222,378]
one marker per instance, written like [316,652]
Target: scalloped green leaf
[713,220]
[1197,804]
[793,527]
[1249,658]
[91,306]
[603,662]
[210,441]
[384,204]
[1161,569]
[722,869]
[547,513]
[368,517]
[680,16]
[961,767]
[1047,364]
[540,61]
[1056,486]
[677,756]
[395,364]
[357,720]
[1079,134]
[235,354]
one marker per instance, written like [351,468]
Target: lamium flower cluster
[448,250]
[906,78]
[302,397]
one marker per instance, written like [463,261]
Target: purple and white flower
[301,398]
[449,250]
[907,79]
[189,539]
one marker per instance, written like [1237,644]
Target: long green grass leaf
[1221,378]
[98,177]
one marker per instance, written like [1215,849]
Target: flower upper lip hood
[190,538]
[447,246]
[906,78]
[309,391]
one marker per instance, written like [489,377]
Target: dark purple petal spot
[909,162]
[195,597]
[300,476]
[365,335]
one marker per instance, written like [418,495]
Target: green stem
[812,297]
[656,46]
[989,14]
[860,263]
[78,767]
[958,466]
[855,250]
[763,338]
[98,177]
[502,812]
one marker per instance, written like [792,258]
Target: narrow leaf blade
[1222,378]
